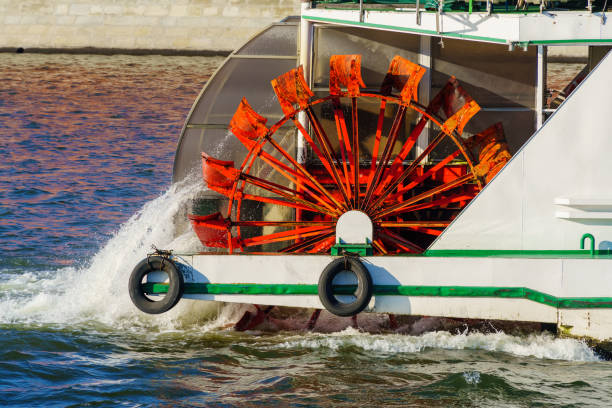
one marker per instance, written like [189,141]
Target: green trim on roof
[499,292]
[405,29]
[575,41]
[457,35]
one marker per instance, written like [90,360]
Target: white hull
[483,281]
[513,252]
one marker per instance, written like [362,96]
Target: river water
[86,150]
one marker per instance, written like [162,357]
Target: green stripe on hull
[393,290]
[492,253]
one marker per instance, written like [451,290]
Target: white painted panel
[560,25]
[587,278]
[584,215]
[568,157]
[586,203]
[558,277]
[494,219]
[544,275]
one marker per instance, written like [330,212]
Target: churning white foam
[542,345]
[99,292]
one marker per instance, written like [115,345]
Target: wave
[541,345]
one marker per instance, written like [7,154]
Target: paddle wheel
[381,169]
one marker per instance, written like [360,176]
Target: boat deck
[516,28]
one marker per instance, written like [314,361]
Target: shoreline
[117,51]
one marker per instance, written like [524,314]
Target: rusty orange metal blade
[248,124]
[454,100]
[291,89]
[345,70]
[492,151]
[219,175]
[461,117]
[211,229]
[487,169]
[404,76]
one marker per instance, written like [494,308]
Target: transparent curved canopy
[247,72]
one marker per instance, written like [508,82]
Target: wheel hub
[354,227]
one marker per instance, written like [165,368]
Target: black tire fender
[176,285]
[363,293]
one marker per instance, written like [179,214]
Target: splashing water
[472,377]
[98,292]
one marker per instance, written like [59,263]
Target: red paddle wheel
[410,191]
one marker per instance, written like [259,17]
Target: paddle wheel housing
[409,193]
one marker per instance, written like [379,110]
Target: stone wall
[213,25]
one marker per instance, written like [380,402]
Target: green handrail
[584,237]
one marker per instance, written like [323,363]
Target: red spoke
[355,131]
[398,241]
[399,159]
[285,235]
[324,245]
[379,127]
[399,206]
[326,164]
[303,171]
[345,147]
[431,171]
[299,180]
[391,139]
[380,247]
[440,203]
[324,141]
[425,176]
[428,231]
[281,223]
[425,227]
[410,224]
[276,201]
[407,172]
[302,245]
[285,192]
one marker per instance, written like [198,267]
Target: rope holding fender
[164,254]
[347,255]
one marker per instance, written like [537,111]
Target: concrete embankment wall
[179,25]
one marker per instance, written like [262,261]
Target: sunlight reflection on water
[85,140]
